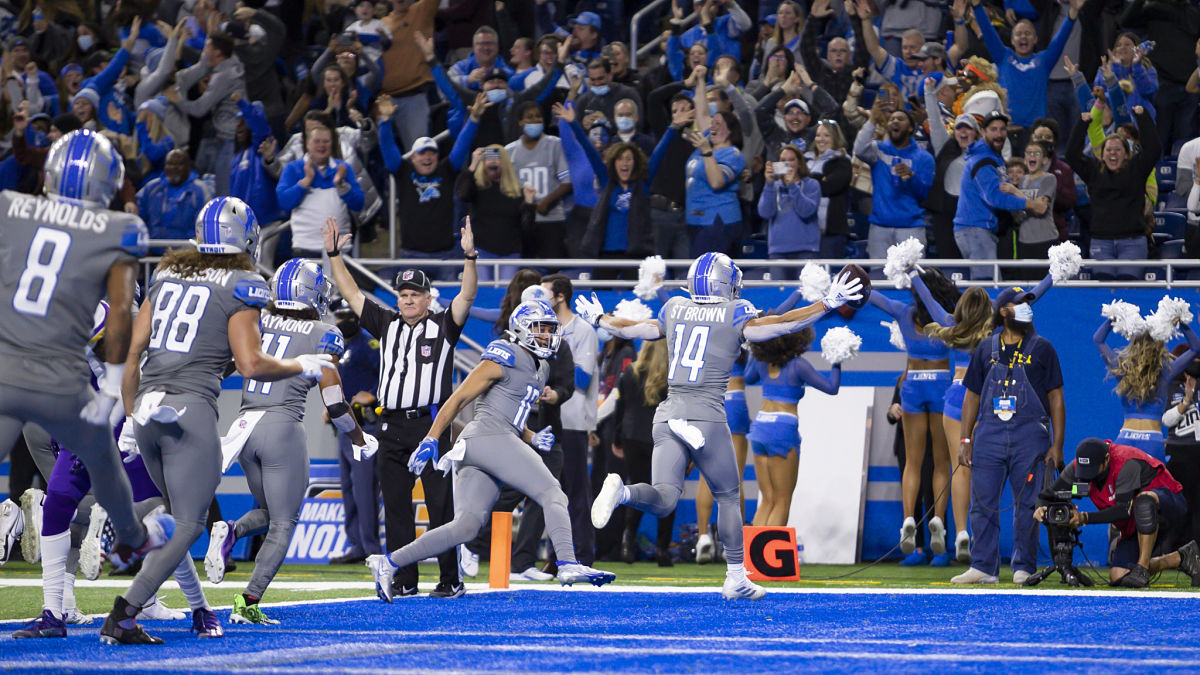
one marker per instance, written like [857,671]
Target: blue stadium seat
[1154,273]
[1165,171]
[1172,201]
[1171,250]
[1170,223]
[1161,238]
[753,248]
[860,248]
[860,227]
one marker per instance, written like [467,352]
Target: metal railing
[645,50]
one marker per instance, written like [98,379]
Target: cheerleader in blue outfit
[962,331]
[922,399]
[1144,370]
[778,365]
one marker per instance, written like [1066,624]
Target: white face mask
[1023,313]
[85,42]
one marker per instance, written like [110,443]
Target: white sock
[732,570]
[189,583]
[624,495]
[54,570]
[68,602]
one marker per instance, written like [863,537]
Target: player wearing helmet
[494,449]
[706,334]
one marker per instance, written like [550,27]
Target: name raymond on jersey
[61,214]
[699,313]
[284,324]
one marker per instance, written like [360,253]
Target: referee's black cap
[414,279]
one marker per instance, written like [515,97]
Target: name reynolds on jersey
[283,324]
[60,214]
[701,314]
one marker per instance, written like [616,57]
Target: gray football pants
[491,462]
[275,459]
[718,465]
[59,416]
[184,461]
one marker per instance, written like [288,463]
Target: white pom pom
[900,257]
[434,305]
[651,273]
[814,282]
[1176,309]
[634,310]
[840,344]
[1065,261]
[896,337]
[1126,319]
[1163,323]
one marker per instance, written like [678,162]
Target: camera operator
[1182,420]
[1135,493]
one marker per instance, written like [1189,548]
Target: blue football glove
[543,440]
[426,452]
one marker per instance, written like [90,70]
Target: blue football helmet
[713,277]
[529,321]
[301,284]
[84,167]
[227,226]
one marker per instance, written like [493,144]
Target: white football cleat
[31,505]
[218,544]
[937,536]
[705,549]
[12,524]
[468,562]
[157,611]
[908,536]
[91,550]
[383,570]
[607,501]
[75,617]
[738,587]
[531,574]
[572,573]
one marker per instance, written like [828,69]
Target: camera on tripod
[1063,538]
[1058,509]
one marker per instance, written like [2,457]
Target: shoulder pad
[743,311]
[501,352]
[332,342]
[662,313]
[135,239]
[252,292]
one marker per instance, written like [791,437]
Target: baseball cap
[587,19]
[18,42]
[424,143]
[236,29]
[495,74]
[70,68]
[1088,457]
[797,103]
[1015,295]
[993,116]
[966,120]
[414,279]
[931,50]
[769,20]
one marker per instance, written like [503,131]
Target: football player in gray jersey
[268,437]
[494,449]
[59,256]
[202,310]
[705,334]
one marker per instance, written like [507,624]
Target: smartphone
[781,168]
[885,95]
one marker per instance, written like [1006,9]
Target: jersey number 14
[690,355]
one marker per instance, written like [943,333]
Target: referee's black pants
[398,437]
[578,488]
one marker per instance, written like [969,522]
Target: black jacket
[639,235]
[561,380]
[1118,198]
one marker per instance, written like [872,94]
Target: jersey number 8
[36,285]
[177,331]
[690,356]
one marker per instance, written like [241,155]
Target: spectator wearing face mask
[169,203]
[602,93]
[627,124]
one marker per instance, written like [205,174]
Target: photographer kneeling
[1134,492]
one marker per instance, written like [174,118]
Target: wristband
[960,23]
[706,154]
[471,257]
[334,253]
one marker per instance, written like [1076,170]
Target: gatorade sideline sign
[771,553]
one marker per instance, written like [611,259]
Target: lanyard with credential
[1011,363]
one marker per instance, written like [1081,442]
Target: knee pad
[1145,513]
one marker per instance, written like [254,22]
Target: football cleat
[738,587]
[607,501]
[383,570]
[91,550]
[205,623]
[12,524]
[705,549]
[45,626]
[112,633]
[159,528]
[31,504]
[447,590]
[243,612]
[1189,561]
[570,573]
[157,611]
[75,617]
[468,563]
[220,542]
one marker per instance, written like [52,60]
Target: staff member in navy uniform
[416,352]
[359,370]
[1014,395]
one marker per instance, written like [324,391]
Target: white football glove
[543,440]
[127,443]
[367,450]
[589,308]
[105,407]
[843,289]
[314,365]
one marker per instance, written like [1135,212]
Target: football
[859,273]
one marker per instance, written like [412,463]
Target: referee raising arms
[416,352]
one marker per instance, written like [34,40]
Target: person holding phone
[714,214]
[789,204]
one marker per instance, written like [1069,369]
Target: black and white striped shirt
[415,362]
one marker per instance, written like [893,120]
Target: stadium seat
[1165,171]
[1172,201]
[753,248]
[1161,238]
[1170,223]
[860,227]
[1171,250]
[860,248]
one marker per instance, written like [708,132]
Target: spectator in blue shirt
[722,33]
[1126,62]
[153,140]
[902,174]
[1024,73]
[249,180]
[907,70]
[714,213]
[789,204]
[485,57]
[318,186]
[169,203]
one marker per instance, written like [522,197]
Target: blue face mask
[533,130]
[600,90]
[85,42]
[36,138]
[1023,313]
[497,95]
[712,109]
[624,124]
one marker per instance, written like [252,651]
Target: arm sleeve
[387,147]
[937,131]
[1151,150]
[739,21]
[988,180]
[288,192]
[896,309]
[1181,362]
[318,66]
[806,197]
[219,89]
[256,120]
[353,197]
[660,150]
[1059,42]
[1106,352]
[594,158]
[991,39]
[462,145]
[935,309]
[446,87]
[1145,80]
[813,377]
[103,83]
[1075,158]
[1043,286]
[768,202]
[675,57]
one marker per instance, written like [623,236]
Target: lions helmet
[301,284]
[536,292]
[84,167]
[713,277]
[227,226]
[528,322]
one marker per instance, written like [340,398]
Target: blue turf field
[540,631]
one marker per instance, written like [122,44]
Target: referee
[416,349]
